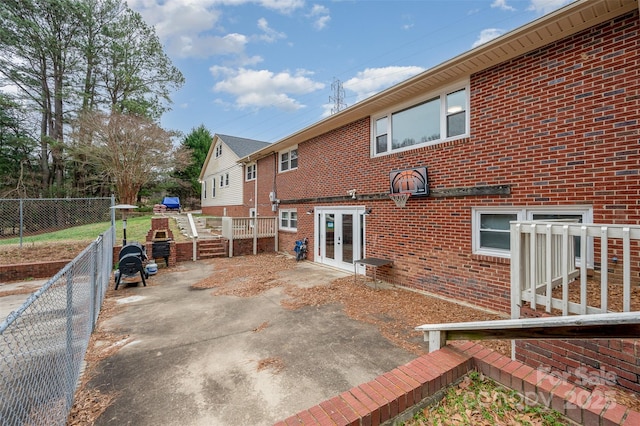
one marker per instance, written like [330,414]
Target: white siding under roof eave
[217,168]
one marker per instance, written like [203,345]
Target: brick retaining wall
[387,396]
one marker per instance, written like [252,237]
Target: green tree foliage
[65,58]
[17,165]
[197,144]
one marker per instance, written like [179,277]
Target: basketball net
[400,198]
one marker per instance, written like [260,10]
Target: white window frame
[442,94]
[226,179]
[213,187]
[218,150]
[526,213]
[287,225]
[204,188]
[251,172]
[289,153]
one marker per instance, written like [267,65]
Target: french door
[340,232]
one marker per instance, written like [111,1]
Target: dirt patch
[395,312]
[90,403]
[41,252]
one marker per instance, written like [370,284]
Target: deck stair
[212,247]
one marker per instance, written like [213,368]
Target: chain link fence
[24,219]
[43,343]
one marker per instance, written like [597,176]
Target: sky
[264,69]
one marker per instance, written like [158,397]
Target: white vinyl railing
[238,228]
[543,257]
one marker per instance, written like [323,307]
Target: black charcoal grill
[161,246]
[131,263]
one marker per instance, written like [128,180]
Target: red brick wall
[559,125]
[244,247]
[31,270]
[584,362]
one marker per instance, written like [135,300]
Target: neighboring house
[223,179]
[540,123]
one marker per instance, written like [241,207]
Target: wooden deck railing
[543,258]
[238,228]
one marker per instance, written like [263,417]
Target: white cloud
[175,17]
[487,35]
[270,35]
[320,16]
[263,88]
[321,22]
[373,80]
[282,6]
[546,6]
[204,46]
[193,27]
[502,4]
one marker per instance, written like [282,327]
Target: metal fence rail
[43,343]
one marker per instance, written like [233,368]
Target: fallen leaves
[478,400]
[274,364]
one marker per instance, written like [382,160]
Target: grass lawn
[137,228]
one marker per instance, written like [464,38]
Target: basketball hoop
[400,198]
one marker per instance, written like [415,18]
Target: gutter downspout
[255,212]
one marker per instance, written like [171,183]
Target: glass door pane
[329,229]
[347,238]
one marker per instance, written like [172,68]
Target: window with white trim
[436,118]
[251,172]
[289,220]
[226,179]
[491,226]
[213,187]
[289,159]
[218,150]
[204,188]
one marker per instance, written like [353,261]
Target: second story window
[218,151]
[433,119]
[251,171]
[289,159]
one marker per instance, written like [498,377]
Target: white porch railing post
[533,266]
[565,269]
[604,269]
[516,269]
[626,269]
[583,270]
[549,267]
[227,232]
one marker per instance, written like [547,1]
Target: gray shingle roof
[242,146]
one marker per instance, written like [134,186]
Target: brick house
[540,123]
[222,178]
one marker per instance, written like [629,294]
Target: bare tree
[130,150]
